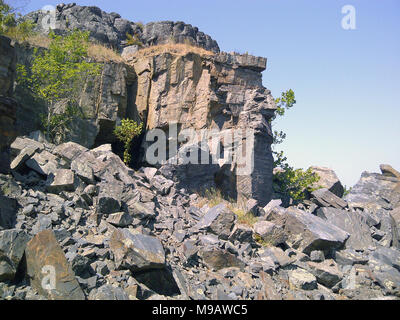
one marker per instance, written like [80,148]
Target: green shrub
[58,74]
[133,40]
[126,132]
[9,25]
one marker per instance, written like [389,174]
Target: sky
[347,82]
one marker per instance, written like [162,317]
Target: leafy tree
[292,182]
[58,75]
[126,132]
[9,25]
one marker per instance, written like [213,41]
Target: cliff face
[8,106]
[195,87]
[223,92]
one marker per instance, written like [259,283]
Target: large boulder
[307,232]
[351,222]
[218,220]
[328,180]
[325,198]
[137,252]
[12,248]
[375,191]
[48,269]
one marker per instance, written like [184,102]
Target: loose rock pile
[78,224]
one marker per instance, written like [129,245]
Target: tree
[126,132]
[289,181]
[57,75]
[10,26]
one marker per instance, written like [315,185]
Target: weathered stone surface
[137,252]
[325,198]
[350,257]
[218,259]
[396,216]
[327,272]
[61,180]
[391,237]
[8,212]
[375,191]
[12,247]
[328,180]
[241,233]
[351,222]
[110,29]
[308,232]
[218,220]
[109,199]
[43,163]
[389,171]
[302,279]
[107,293]
[270,232]
[120,219]
[44,255]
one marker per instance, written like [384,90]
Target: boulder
[69,151]
[351,222]
[391,235]
[325,198]
[8,212]
[61,180]
[374,192]
[388,171]
[108,292]
[328,180]
[241,233]
[120,219]
[327,272]
[43,163]
[109,198]
[217,259]
[270,232]
[48,269]
[302,279]
[12,248]
[307,232]
[136,252]
[218,220]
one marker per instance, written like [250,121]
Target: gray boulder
[328,180]
[325,198]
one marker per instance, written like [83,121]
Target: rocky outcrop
[329,180]
[110,29]
[8,106]
[154,240]
[221,92]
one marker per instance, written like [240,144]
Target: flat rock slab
[218,220]
[137,252]
[327,272]
[219,259]
[328,180]
[43,256]
[302,279]
[325,198]
[307,232]
[12,248]
[351,222]
[61,180]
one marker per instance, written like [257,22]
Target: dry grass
[214,197]
[103,54]
[179,49]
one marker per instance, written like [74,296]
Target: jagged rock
[137,252]
[61,180]
[271,205]
[307,232]
[108,292]
[325,198]
[120,219]
[327,272]
[351,222]
[218,220]
[388,171]
[241,233]
[216,259]
[317,256]
[388,225]
[44,255]
[161,282]
[270,232]
[374,192]
[396,216]
[276,255]
[12,247]
[109,198]
[8,212]
[350,257]
[302,279]
[43,163]
[328,180]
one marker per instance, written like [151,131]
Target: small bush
[126,132]
[133,40]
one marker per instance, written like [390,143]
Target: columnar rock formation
[8,106]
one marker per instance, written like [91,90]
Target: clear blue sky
[347,82]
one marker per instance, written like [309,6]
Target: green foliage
[295,182]
[133,40]
[289,181]
[126,132]
[11,27]
[347,191]
[140,25]
[59,74]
